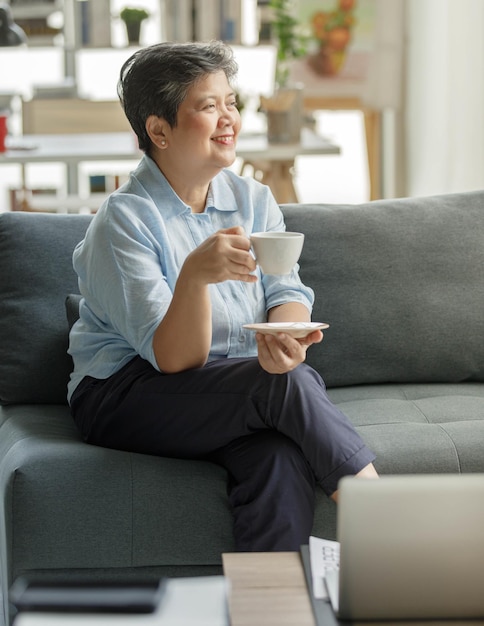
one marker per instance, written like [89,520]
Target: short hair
[155,80]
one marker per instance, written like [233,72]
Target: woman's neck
[194,197]
[193,193]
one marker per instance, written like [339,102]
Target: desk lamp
[10,33]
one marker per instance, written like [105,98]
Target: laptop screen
[412,547]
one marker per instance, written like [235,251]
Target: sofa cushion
[401,283]
[101,508]
[36,275]
[418,428]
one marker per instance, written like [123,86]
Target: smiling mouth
[224,139]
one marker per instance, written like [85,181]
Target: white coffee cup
[277,252]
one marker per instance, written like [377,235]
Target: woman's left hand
[282,353]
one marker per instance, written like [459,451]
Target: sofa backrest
[401,282]
[36,275]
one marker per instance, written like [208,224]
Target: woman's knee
[265,455]
[284,458]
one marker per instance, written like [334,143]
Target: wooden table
[273,164]
[268,589]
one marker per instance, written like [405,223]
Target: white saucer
[295,329]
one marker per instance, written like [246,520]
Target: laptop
[411,547]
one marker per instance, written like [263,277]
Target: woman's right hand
[225,255]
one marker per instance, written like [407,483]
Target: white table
[275,162]
[197,601]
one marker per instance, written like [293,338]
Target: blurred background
[425,85]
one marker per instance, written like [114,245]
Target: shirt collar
[155,183]
[220,195]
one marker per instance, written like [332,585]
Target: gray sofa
[402,285]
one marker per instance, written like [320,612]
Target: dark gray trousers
[277,435]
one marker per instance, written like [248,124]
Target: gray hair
[155,80]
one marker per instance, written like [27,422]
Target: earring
[163,142]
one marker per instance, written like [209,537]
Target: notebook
[411,547]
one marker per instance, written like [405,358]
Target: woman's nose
[228,116]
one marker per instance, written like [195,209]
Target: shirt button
[242,338]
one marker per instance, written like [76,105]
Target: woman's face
[208,124]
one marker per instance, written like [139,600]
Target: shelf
[32,10]
[32,17]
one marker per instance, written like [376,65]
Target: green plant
[287,34]
[132,14]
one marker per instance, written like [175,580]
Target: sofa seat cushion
[74,505]
[98,508]
[427,428]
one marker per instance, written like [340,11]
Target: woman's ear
[155,127]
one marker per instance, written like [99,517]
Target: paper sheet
[324,556]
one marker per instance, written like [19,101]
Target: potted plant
[288,37]
[285,108]
[132,17]
[332,31]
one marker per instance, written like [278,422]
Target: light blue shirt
[130,258]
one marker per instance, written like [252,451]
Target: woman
[162,363]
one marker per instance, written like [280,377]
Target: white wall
[445,96]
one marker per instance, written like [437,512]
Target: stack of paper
[324,557]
